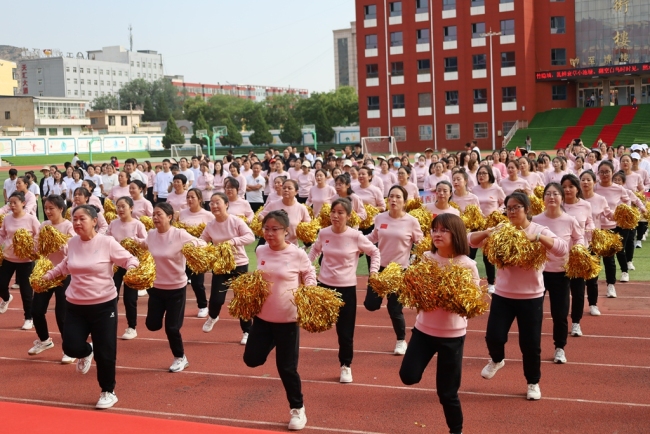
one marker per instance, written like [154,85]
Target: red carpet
[589,117]
[54,420]
[569,134]
[608,134]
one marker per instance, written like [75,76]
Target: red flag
[517,152]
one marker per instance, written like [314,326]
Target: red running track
[605,386]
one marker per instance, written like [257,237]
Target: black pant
[345,323]
[218,295]
[577,299]
[256,205]
[170,304]
[629,245]
[130,298]
[622,256]
[285,338]
[39,309]
[422,347]
[373,303]
[529,314]
[149,196]
[641,230]
[206,205]
[558,287]
[23,270]
[490,269]
[592,291]
[100,322]
[198,286]
[301,199]
[159,200]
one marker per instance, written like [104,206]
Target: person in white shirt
[75,159]
[68,178]
[46,182]
[255,184]
[162,182]
[130,168]
[185,170]
[109,180]
[96,179]
[196,168]
[10,184]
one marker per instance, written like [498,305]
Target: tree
[234,137]
[312,111]
[134,93]
[200,124]
[162,110]
[149,112]
[105,102]
[291,132]
[173,135]
[261,134]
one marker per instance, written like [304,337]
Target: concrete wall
[21,113]
[40,145]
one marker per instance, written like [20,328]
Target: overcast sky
[263,42]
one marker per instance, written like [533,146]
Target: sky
[261,42]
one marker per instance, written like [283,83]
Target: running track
[605,387]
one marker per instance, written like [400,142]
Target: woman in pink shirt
[513,181]
[343,189]
[122,189]
[441,205]
[220,175]
[234,172]
[395,233]
[226,227]
[177,198]
[403,175]
[22,184]
[297,212]
[633,180]
[439,331]
[557,172]
[421,171]
[205,183]
[578,166]
[331,180]
[461,196]
[127,227]
[620,178]
[306,181]
[82,196]
[498,164]
[93,200]
[527,172]
[519,294]
[388,178]
[472,171]
[340,246]
[437,174]
[321,193]
[277,170]
[236,205]
[285,266]
[141,206]
[368,193]
[167,297]
[91,299]
[276,192]
[151,176]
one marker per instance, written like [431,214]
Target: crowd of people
[582,188]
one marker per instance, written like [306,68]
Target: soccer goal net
[188,151]
[384,145]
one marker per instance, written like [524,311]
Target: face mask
[397,164]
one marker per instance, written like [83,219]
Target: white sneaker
[67,360]
[630,266]
[298,419]
[129,334]
[560,357]
[638,244]
[179,364]
[28,324]
[203,313]
[209,323]
[576,330]
[106,400]
[533,392]
[491,369]
[4,305]
[611,291]
[400,348]
[346,374]
[594,311]
[644,236]
[83,364]
[40,346]
[244,339]
[15,286]
[491,289]
[142,293]
[625,277]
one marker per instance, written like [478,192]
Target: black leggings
[198,286]
[170,305]
[346,321]
[23,270]
[218,295]
[558,287]
[490,269]
[39,309]
[130,298]
[373,303]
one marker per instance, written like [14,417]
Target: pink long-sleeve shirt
[241,207]
[614,195]
[90,266]
[65,227]
[600,211]
[357,205]
[305,183]
[30,205]
[490,199]
[118,192]
[204,181]
[121,230]
[297,213]
[434,210]
[341,256]
[440,323]
[177,201]
[9,227]
[372,196]
[320,196]
[389,179]
[142,207]
[566,228]
[431,181]
[581,211]
[509,186]
[196,218]
[232,229]
[395,237]
[412,190]
[285,270]
[554,176]
[533,179]
[464,201]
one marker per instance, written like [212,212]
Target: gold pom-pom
[582,264]
[605,243]
[223,257]
[354,221]
[424,217]
[2,218]
[256,226]
[412,204]
[51,240]
[68,214]
[324,215]
[454,205]
[38,284]
[539,192]
[494,219]
[199,259]
[387,281]
[371,212]
[626,217]
[309,210]
[109,216]
[318,308]
[307,232]
[109,206]
[644,200]
[422,247]
[536,205]
[250,291]
[144,275]
[147,222]
[23,244]
[509,247]
[473,218]
[194,230]
[418,283]
[243,217]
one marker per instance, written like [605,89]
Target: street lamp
[494,133]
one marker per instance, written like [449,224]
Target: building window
[557,25]
[423,36]
[559,93]
[95,71]
[396,9]
[7,115]
[53,131]
[397,69]
[424,100]
[396,39]
[478,3]
[138,64]
[120,74]
[450,33]
[101,82]
[452,131]
[398,101]
[507,126]
[67,131]
[114,84]
[69,92]
[371,42]
[478,29]
[87,70]
[124,121]
[480,96]
[481,130]
[478,61]
[374,132]
[421,6]
[111,121]
[373,103]
[424,66]
[39,70]
[101,72]
[508,59]
[507,27]
[132,63]
[426,132]
[113,72]
[42,132]
[93,121]
[512,1]
[95,82]
[67,69]
[451,64]
[448,5]
[83,93]
[75,81]
[76,92]
[558,56]
[81,81]
[138,75]
[40,82]
[451,97]
[509,94]
[95,93]
[74,69]
[372,70]
[399,133]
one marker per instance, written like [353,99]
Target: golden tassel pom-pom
[243,217]
[324,215]
[68,214]
[307,232]
[23,244]
[223,257]
[256,226]
[473,218]
[536,205]
[199,259]
[38,284]
[147,222]
[455,206]
[250,291]
[424,217]
[509,247]
[354,221]
[109,206]
[109,216]
[418,283]
[539,192]
[318,308]
[133,247]
[422,247]
[51,240]
[194,230]
[582,264]
[309,210]
[626,217]
[2,218]
[412,204]
[371,212]
[605,243]
[645,215]
[387,281]
[144,275]
[494,219]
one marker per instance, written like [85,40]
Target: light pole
[494,133]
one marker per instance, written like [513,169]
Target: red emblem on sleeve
[383,226]
[263,262]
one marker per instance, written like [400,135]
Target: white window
[83,93]
[74,69]
[76,92]
[67,69]
[374,132]
[452,131]
[69,92]
[75,81]
[138,75]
